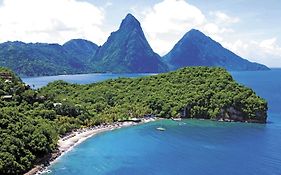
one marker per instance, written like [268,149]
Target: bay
[188,147]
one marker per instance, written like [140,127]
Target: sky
[249,28]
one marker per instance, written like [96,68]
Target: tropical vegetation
[31,121]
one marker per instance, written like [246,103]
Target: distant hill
[127,50]
[83,49]
[197,49]
[35,59]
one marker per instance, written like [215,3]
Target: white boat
[161,129]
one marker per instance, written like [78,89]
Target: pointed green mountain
[127,50]
[197,49]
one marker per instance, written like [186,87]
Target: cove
[189,146]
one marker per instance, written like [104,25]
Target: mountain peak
[79,42]
[130,21]
[194,33]
[129,15]
[197,49]
[127,50]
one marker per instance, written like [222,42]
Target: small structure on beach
[135,120]
[176,119]
[7,97]
[8,81]
[57,104]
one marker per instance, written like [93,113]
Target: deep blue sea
[194,147]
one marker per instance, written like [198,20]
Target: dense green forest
[39,59]
[24,133]
[32,120]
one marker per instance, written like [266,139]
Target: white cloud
[108,4]
[50,21]
[166,22]
[170,17]
[211,28]
[267,51]
[222,18]
[271,46]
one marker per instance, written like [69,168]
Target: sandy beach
[67,143]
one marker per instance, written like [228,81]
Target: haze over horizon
[251,29]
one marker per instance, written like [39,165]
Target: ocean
[189,146]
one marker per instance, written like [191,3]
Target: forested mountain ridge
[38,59]
[80,48]
[193,92]
[25,134]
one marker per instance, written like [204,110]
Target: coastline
[67,143]
[76,137]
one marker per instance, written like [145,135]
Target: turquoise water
[193,147]
[38,82]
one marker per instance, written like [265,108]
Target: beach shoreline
[70,141]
